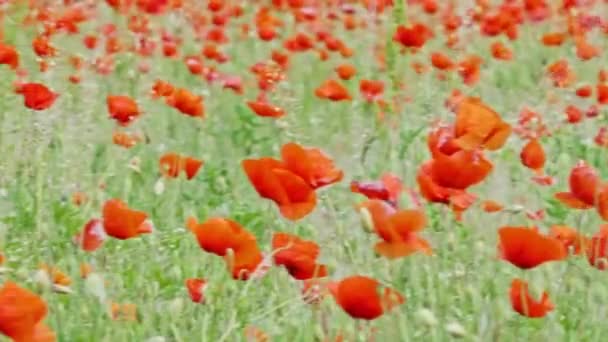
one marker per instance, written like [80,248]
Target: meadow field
[303,170]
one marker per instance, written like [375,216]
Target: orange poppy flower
[346,71]
[196,289]
[332,90]
[533,156]
[91,237]
[56,276]
[264,109]
[121,222]
[123,109]
[569,237]
[21,315]
[299,256]
[255,334]
[9,56]
[316,168]
[85,270]
[477,125]
[397,229]
[363,298]
[186,102]
[125,139]
[388,188]
[79,198]
[272,180]
[523,303]
[123,312]
[36,96]
[171,164]
[526,248]
[584,182]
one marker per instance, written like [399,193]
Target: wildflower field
[303,170]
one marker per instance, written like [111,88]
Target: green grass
[46,156]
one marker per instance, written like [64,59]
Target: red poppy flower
[441,61]
[9,56]
[332,90]
[21,314]
[397,229]
[264,109]
[363,298]
[477,125]
[500,51]
[217,235]
[244,262]
[42,46]
[121,222]
[36,96]
[561,74]
[91,237]
[186,102]
[523,303]
[346,71]
[413,36]
[272,180]
[569,237]
[469,69]
[597,249]
[371,90]
[299,256]
[388,188]
[171,164]
[602,93]
[196,289]
[526,248]
[316,168]
[490,206]
[584,182]
[584,91]
[554,38]
[162,89]
[458,199]
[123,109]
[533,156]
